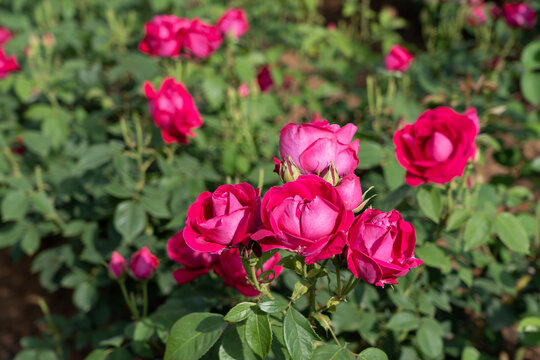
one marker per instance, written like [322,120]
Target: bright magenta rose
[350,191]
[437,146]
[199,39]
[173,110]
[264,79]
[233,22]
[7,64]
[143,264]
[313,147]
[230,268]
[380,247]
[519,15]
[223,219]
[161,35]
[196,263]
[398,59]
[307,217]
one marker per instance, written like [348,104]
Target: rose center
[438,147]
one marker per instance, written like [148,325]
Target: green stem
[145,299]
[128,301]
[15,167]
[337,265]
[52,326]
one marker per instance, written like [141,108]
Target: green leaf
[214,90]
[273,306]
[94,157]
[403,321]
[477,231]
[394,173]
[331,352]
[433,256]
[430,203]
[429,339]
[30,241]
[298,335]
[36,142]
[372,354]
[156,205]
[234,345]
[529,331]
[129,219]
[370,154]
[258,332]
[530,87]
[14,205]
[239,312]
[97,354]
[512,233]
[56,129]
[42,203]
[85,296]
[193,335]
[470,353]
[457,218]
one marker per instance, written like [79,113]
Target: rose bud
[398,59]
[496,11]
[161,35]
[243,90]
[519,15]
[350,191]
[233,22]
[19,149]
[230,268]
[173,110]
[7,64]
[264,79]
[199,40]
[143,264]
[196,264]
[476,15]
[307,217]
[437,146]
[5,35]
[117,265]
[48,40]
[223,219]
[315,146]
[380,247]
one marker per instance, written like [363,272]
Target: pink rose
[161,35]
[195,263]
[117,265]
[143,264]
[264,79]
[350,191]
[5,35]
[173,110]
[230,268]
[476,15]
[199,39]
[313,147]
[7,64]
[519,15]
[223,219]
[380,247]
[398,59]
[233,22]
[307,217]
[243,90]
[437,146]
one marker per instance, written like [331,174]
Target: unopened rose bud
[143,264]
[287,170]
[117,265]
[48,40]
[331,175]
[243,90]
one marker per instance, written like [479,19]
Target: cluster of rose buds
[7,63]
[171,36]
[143,264]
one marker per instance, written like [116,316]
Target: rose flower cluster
[7,63]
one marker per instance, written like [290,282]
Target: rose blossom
[222,219]
[398,59]
[230,268]
[380,247]
[5,35]
[306,216]
[7,64]
[161,35]
[313,147]
[437,146]
[476,15]
[173,110]
[233,22]
[264,79]
[519,15]
[243,90]
[199,39]
[195,263]
[350,191]
[117,265]
[143,264]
